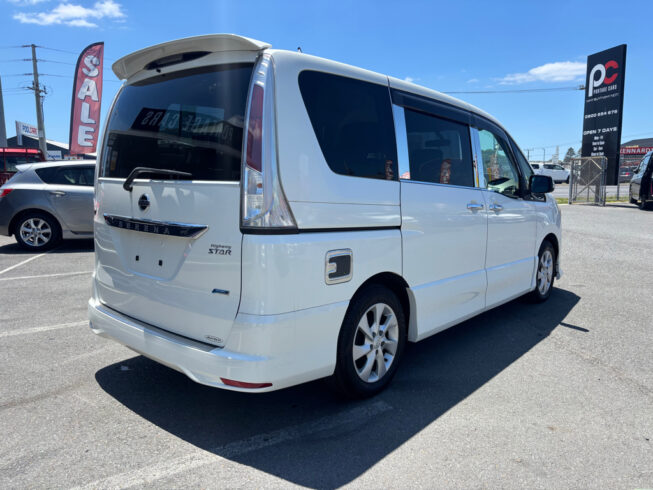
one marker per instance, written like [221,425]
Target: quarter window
[353,124]
[439,150]
[500,173]
[77,175]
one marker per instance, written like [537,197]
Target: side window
[87,176]
[526,169]
[78,175]
[500,173]
[353,124]
[439,150]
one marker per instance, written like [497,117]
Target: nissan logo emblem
[143,202]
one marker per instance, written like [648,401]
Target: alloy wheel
[35,232]
[545,272]
[375,342]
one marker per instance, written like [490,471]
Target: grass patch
[565,200]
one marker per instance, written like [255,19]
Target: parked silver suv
[46,202]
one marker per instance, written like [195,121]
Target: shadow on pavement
[435,375]
[66,246]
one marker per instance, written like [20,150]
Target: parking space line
[58,274]
[21,263]
[196,459]
[25,331]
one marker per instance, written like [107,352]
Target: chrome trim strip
[479,167]
[168,228]
[403,162]
[441,185]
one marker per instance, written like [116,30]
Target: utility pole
[3,129]
[39,103]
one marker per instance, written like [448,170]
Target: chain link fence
[587,180]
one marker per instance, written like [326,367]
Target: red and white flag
[87,97]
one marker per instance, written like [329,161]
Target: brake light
[242,384]
[263,202]
[4,192]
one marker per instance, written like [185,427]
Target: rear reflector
[4,192]
[242,384]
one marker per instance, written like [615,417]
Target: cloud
[409,79]
[473,80]
[560,71]
[73,15]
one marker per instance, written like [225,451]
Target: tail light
[4,192]
[263,202]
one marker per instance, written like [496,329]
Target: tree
[569,155]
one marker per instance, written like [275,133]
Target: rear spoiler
[23,167]
[128,65]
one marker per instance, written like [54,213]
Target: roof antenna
[299,48]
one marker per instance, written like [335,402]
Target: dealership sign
[635,150]
[25,129]
[604,99]
[87,98]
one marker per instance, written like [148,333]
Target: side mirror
[541,184]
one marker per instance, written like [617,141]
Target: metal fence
[587,180]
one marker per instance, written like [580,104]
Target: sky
[451,46]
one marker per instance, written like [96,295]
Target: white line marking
[165,469]
[25,331]
[58,274]
[21,263]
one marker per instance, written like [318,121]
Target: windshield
[190,121]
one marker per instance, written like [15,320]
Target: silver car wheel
[35,232]
[375,342]
[545,272]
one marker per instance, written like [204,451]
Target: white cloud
[409,79]
[560,71]
[73,15]
[473,80]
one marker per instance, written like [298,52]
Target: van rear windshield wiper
[146,170]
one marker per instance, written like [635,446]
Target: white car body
[257,306]
[557,172]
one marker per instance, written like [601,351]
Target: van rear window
[353,123]
[191,121]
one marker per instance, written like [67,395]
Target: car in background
[10,157]
[557,172]
[626,173]
[44,203]
[641,185]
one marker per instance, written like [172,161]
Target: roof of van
[128,65]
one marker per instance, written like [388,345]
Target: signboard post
[604,100]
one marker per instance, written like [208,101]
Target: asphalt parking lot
[555,395]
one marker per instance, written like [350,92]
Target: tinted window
[439,150]
[500,173]
[77,175]
[190,121]
[526,169]
[353,124]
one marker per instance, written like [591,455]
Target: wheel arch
[14,221]
[398,285]
[553,240]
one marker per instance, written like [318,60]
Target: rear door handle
[473,206]
[497,208]
[58,193]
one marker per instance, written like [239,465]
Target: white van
[266,218]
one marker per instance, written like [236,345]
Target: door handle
[497,208]
[473,206]
[58,193]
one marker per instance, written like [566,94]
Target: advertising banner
[604,100]
[86,101]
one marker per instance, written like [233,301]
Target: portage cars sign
[604,98]
[87,97]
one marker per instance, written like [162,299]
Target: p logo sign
[602,70]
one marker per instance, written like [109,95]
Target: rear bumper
[284,350]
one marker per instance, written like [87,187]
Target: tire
[643,204]
[379,349]
[630,197]
[545,275]
[567,181]
[36,231]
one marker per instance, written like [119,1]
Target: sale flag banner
[87,98]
